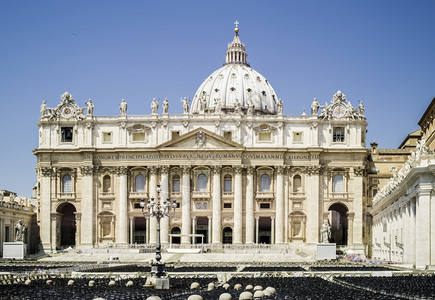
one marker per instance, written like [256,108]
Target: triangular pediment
[200,139]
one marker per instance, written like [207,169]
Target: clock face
[339,110]
[67,111]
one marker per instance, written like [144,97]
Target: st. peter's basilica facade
[239,170]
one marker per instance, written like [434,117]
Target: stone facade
[14,209]
[240,171]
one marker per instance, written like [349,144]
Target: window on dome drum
[66,184]
[107,137]
[297,184]
[228,184]
[228,135]
[202,182]
[227,205]
[106,184]
[338,184]
[138,136]
[264,205]
[67,134]
[338,135]
[265,183]
[175,134]
[139,183]
[176,184]
[297,137]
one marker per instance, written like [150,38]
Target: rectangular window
[227,205]
[137,205]
[264,136]
[176,185]
[264,205]
[338,135]
[178,204]
[175,134]
[138,136]
[67,134]
[107,137]
[297,137]
[228,135]
[375,191]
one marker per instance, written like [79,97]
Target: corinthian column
[88,216]
[185,207]
[164,184]
[250,223]
[279,210]
[45,200]
[216,225]
[122,216]
[153,194]
[238,207]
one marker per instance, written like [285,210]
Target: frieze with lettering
[197,156]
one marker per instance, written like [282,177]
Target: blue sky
[381,52]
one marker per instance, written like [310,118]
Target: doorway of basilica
[227,233]
[339,224]
[139,235]
[67,231]
[201,228]
[265,230]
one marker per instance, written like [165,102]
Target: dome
[235,87]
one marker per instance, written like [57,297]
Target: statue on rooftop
[90,107]
[154,106]
[185,105]
[315,107]
[123,107]
[165,106]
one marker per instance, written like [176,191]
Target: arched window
[176,184]
[228,184]
[338,184]
[202,182]
[297,184]
[66,184]
[265,183]
[106,184]
[139,183]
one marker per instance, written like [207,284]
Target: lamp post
[158,210]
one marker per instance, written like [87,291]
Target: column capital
[164,169]
[87,170]
[314,170]
[238,169]
[121,170]
[46,171]
[358,171]
[250,170]
[186,169]
[280,170]
[153,170]
[350,216]
[216,169]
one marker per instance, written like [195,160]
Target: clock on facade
[339,110]
[67,111]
